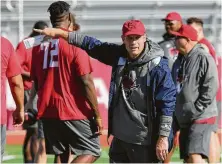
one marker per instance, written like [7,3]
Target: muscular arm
[17,89]
[90,93]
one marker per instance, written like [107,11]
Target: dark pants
[122,152]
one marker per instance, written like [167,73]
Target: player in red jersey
[30,145]
[10,69]
[67,103]
[41,156]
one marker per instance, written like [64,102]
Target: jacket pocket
[185,112]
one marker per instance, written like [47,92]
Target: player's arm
[16,85]
[90,93]
[106,53]
[17,89]
[83,69]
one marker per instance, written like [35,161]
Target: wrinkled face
[172,25]
[134,44]
[181,43]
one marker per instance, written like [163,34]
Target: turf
[15,151]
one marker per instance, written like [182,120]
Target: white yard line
[8,157]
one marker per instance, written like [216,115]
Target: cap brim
[134,33]
[164,19]
[175,33]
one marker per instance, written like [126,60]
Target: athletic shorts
[41,135]
[34,105]
[79,136]
[3,140]
[40,129]
[196,140]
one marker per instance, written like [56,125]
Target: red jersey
[9,67]
[210,47]
[25,58]
[57,67]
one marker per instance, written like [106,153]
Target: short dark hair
[196,20]
[38,25]
[58,10]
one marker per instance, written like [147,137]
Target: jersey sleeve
[21,53]
[14,67]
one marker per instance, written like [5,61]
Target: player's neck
[62,25]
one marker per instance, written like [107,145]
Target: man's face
[181,44]
[173,25]
[134,44]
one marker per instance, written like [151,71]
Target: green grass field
[13,154]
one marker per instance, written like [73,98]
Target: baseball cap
[133,27]
[172,16]
[186,31]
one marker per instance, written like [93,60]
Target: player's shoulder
[5,43]
[74,49]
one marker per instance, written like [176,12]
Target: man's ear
[123,38]
[144,37]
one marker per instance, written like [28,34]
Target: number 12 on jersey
[51,48]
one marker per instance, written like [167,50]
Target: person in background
[196,109]
[172,22]
[30,145]
[142,92]
[198,24]
[11,70]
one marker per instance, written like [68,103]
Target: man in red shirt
[197,24]
[10,69]
[30,145]
[67,103]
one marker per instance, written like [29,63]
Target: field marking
[8,157]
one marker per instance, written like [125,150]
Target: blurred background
[104,18]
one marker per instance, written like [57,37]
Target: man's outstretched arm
[106,53]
